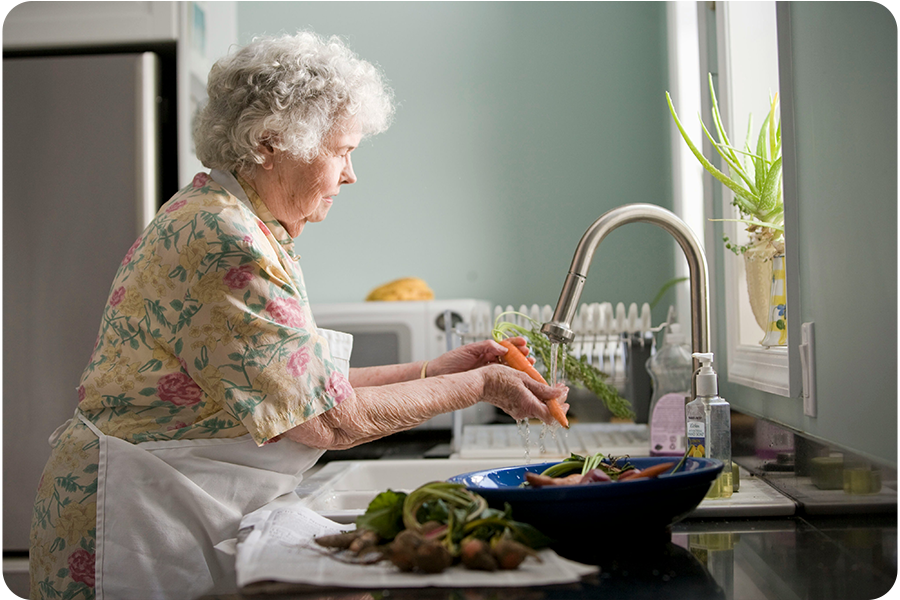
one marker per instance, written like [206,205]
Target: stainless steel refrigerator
[81,178]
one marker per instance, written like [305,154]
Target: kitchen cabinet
[201,31]
[60,24]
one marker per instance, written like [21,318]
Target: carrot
[653,471]
[515,359]
[537,480]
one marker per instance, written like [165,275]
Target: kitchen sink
[342,490]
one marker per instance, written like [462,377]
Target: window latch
[808,367]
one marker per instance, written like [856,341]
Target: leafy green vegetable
[494,524]
[459,512]
[681,462]
[592,462]
[384,514]
[576,371]
[528,535]
[665,288]
[581,464]
[573,464]
[436,510]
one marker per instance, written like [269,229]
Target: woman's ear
[268,153]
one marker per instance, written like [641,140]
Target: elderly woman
[210,390]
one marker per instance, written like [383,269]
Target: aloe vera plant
[754,176]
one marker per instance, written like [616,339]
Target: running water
[553,373]
[554,352]
[525,433]
[523,426]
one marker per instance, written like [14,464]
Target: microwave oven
[387,333]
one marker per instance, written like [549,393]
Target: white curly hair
[290,92]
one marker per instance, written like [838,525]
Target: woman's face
[299,192]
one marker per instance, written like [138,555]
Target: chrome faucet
[560,328]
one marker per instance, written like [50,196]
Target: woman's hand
[473,356]
[520,396]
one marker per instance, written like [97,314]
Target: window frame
[773,370]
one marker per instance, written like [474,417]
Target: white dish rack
[602,333]
[607,338]
[509,441]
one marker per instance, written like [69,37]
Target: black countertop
[800,557]
[835,547]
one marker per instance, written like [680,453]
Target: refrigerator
[85,166]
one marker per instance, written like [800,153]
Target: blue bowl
[566,513]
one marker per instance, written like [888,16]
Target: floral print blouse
[208,332]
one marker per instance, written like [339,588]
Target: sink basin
[341,490]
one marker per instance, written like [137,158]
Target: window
[743,57]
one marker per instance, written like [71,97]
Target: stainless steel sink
[342,490]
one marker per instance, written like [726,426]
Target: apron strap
[90,425]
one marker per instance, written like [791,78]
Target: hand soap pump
[708,425]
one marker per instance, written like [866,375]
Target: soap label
[667,426]
[696,438]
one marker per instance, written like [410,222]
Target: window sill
[765,369]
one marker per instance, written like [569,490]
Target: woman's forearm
[385,375]
[374,412]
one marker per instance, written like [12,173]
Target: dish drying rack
[616,341]
[605,336]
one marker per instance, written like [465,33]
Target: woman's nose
[348,176]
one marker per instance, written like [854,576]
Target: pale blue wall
[845,106]
[518,125]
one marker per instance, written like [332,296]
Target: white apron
[163,506]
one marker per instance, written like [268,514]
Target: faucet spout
[560,328]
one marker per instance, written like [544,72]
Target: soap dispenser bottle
[670,370]
[708,425]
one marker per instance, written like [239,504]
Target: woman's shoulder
[205,205]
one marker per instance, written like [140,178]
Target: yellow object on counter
[406,288]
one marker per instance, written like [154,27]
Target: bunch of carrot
[517,360]
[434,527]
[597,475]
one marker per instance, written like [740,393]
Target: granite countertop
[826,558]
[833,547]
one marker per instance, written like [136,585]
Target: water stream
[523,425]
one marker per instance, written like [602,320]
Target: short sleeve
[245,333]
